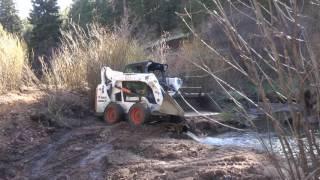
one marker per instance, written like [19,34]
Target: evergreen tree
[158,14]
[105,12]
[82,11]
[8,16]
[161,14]
[45,34]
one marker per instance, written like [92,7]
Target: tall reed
[12,61]
[84,51]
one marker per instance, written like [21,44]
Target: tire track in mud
[78,152]
[121,151]
[94,159]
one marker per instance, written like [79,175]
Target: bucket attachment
[180,105]
[202,102]
[170,106]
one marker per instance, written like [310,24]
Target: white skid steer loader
[141,91]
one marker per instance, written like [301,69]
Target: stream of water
[249,139]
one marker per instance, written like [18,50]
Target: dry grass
[84,51]
[12,61]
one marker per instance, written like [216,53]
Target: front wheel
[138,114]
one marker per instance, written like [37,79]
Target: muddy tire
[113,113]
[138,114]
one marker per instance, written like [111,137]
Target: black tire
[138,114]
[113,113]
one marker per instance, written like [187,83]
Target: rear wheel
[138,114]
[113,113]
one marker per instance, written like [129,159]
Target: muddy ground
[54,135]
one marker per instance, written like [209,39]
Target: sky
[24,6]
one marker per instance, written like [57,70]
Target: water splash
[250,140]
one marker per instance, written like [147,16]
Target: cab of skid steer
[158,69]
[146,67]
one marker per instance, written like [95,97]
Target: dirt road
[55,136]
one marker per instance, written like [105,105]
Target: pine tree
[46,28]
[82,11]
[8,16]
[105,12]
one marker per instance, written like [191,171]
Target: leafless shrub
[161,51]
[286,62]
[55,107]
[62,109]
